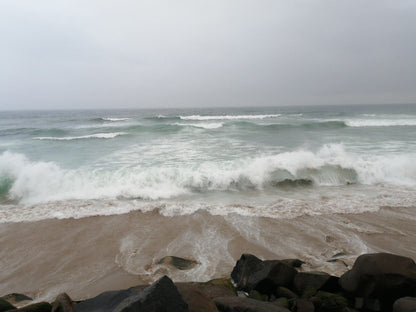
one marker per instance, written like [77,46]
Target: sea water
[275,162]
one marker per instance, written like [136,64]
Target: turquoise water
[276,162]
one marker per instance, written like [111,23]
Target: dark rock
[254,294]
[243,268]
[282,302]
[406,304]
[218,285]
[198,301]
[36,307]
[215,291]
[381,276]
[339,254]
[212,289]
[339,261]
[105,302]
[264,276]
[372,304]
[242,294]
[295,263]
[5,305]
[285,292]
[303,305]
[293,183]
[63,303]
[16,298]
[328,302]
[161,296]
[315,280]
[237,304]
[179,263]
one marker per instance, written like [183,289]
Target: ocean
[208,184]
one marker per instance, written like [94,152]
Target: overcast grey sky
[136,54]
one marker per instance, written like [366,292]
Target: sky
[61,54]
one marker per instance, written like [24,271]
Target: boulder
[16,298]
[286,292]
[315,280]
[161,296]
[36,307]
[265,276]
[296,263]
[238,304]
[63,303]
[105,302]
[243,268]
[177,262]
[254,294]
[5,305]
[197,300]
[406,304]
[381,276]
[303,305]
[281,302]
[328,302]
[220,284]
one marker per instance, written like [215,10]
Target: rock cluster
[376,282]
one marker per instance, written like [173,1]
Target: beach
[87,256]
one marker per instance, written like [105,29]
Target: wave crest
[228,117]
[381,122]
[203,125]
[90,136]
[34,182]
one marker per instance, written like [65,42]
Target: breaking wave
[228,117]
[112,119]
[302,126]
[34,182]
[381,122]
[203,125]
[91,136]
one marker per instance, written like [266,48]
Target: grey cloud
[106,54]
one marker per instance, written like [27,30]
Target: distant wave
[113,119]
[228,117]
[283,126]
[91,136]
[380,122]
[162,118]
[310,125]
[212,125]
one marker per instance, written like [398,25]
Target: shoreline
[85,257]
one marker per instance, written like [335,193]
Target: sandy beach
[87,256]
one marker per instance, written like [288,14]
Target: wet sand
[87,256]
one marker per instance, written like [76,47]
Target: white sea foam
[115,119]
[276,207]
[228,117]
[380,122]
[90,136]
[212,125]
[39,182]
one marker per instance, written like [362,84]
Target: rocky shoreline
[376,282]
